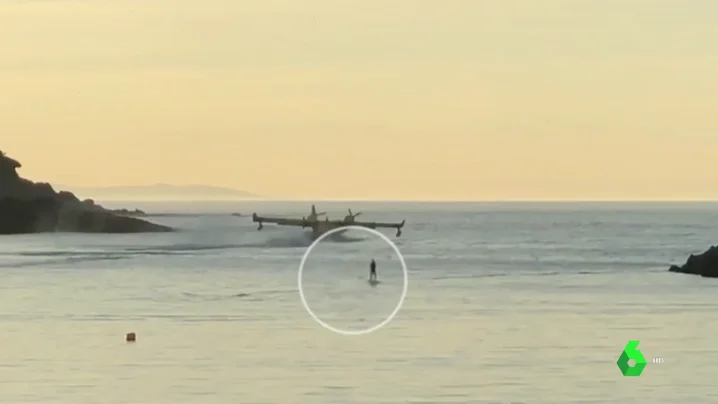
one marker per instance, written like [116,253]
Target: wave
[117,252]
[75,257]
[66,260]
[560,263]
[180,248]
[185,318]
[341,238]
[275,242]
[528,273]
[253,296]
[212,297]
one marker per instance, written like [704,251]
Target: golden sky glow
[406,99]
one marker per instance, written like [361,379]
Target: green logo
[631,352]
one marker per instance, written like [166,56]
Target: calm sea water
[506,303]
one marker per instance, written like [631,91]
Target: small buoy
[130,337]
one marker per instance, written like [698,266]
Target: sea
[499,303]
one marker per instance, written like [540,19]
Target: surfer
[372,270]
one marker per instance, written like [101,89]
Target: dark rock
[19,216]
[705,264]
[66,196]
[29,207]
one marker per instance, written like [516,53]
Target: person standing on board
[372,270]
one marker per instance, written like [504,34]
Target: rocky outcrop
[30,207]
[705,264]
[19,216]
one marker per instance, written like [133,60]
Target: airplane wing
[280,221]
[385,225]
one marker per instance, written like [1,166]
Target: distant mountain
[160,191]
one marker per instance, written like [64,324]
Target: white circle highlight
[367,330]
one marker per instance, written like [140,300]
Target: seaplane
[320,227]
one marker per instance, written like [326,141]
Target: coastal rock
[705,264]
[18,216]
[30,207]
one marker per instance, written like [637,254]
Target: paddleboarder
[372,270]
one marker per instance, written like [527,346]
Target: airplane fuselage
[320,227]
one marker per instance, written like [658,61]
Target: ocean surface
[505,303]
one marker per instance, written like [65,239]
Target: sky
[367,99]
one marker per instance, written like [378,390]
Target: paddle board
[372,282]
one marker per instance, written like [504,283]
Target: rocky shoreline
[705,264]
[30,207]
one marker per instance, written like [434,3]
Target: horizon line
[393,200]
[251,196]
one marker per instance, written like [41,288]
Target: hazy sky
[410,99]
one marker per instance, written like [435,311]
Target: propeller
[315,213]
[354,214]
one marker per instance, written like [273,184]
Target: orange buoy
[130,337]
